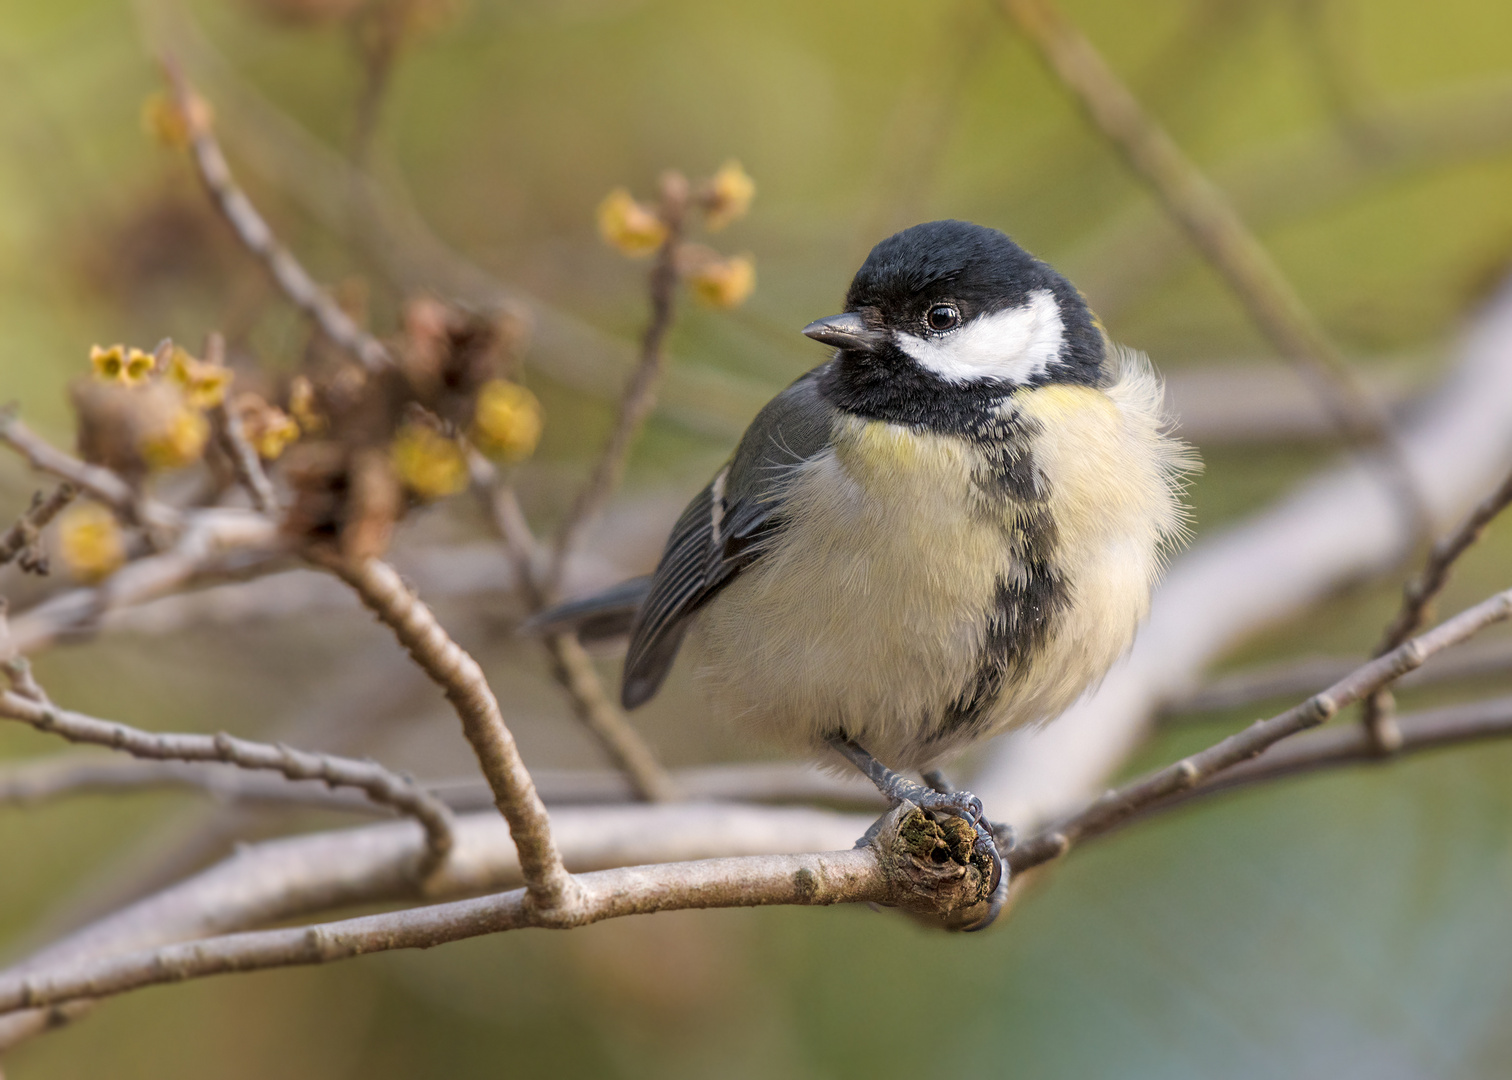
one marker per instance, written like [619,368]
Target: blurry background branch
[1219,233]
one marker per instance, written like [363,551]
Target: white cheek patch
[1014,345]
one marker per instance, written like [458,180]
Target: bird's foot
[960,829]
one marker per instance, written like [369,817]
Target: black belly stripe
[1024,609]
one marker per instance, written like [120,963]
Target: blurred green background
[1348,925]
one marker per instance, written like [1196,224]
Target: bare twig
[1417,601]
[1119,805]
[94,480]
[253,231]
[458,674]
[27,704]
[1217,231]
[1291,678]
[378,33]
[228,426]
[1350,744]
[61,775]
[214,543]
[573,668]
[570,664]
[1419,593]
[639,395]
[496,496]
[58,775]
[21,539]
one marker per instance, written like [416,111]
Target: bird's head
[950,313]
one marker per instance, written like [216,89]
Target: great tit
[948,529]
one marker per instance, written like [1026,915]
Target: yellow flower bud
[204,384]
[628,226]
[178,440]
[90,541]
[138,366]
[267,428]
[109,364]
[728,196]
[165,122]
[302,405]
[723,283]
[429,464]
[507,421]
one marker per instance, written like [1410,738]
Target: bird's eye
[943,317]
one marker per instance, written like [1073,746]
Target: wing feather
[722,530]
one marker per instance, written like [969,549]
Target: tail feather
[599,617]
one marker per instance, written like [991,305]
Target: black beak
[847,331]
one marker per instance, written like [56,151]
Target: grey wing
[719,533]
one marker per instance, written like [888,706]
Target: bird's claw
[965,805]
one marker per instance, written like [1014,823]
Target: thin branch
[1350,744]
[1291,678]
[21,539]
[458,674]
[228,426]
[496,496]
[1117,806]
[256,236]
[1419,593]
[639,396]
[753,881]
[1217,230]
[570,664]
[56,776]
[1417,601]
[26,704]
[574,669]
[214,543]
[96,481]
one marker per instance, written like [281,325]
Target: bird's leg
[962,804]
[935,779]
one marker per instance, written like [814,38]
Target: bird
[948,529]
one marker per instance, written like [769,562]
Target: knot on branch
[932,867]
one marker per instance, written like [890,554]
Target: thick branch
[828,878]
[377,783]
[1117,806]
[459,675]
